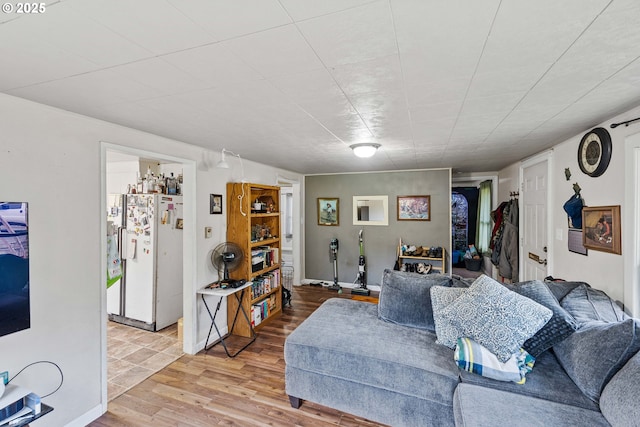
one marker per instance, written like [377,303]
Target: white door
[533,224]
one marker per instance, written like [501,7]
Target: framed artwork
[601,229]
[179,223]
[215,204]
[414,208]
[328,211]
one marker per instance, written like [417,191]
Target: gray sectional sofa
[382,362]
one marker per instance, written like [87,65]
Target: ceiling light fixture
[365,149]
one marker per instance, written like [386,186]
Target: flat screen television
[15,312]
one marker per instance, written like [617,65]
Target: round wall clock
[594,152]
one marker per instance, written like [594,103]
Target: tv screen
[14,267]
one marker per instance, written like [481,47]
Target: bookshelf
[253,223]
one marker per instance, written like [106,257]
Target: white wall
[52,159]
[601,270]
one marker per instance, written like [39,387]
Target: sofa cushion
[345,339]
[446,331]
[561,324]
[405,298]
[548,380]
[586,304]
[596,351]
[619,400]
[497,318]
[560,288]
[478,406]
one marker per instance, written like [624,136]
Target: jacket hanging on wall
[505,239]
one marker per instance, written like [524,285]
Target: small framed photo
[179,223]
[414,208]
[215,204]
[601,228]
[328,211]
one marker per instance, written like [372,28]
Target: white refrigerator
[149,295]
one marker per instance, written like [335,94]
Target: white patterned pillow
[495,317]
[441,297]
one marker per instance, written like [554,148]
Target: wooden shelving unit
[442,267]
[255,231]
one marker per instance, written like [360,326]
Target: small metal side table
[238,293]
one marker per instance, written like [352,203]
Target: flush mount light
[365,149]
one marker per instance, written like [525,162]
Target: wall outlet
[208,232]
[5,377]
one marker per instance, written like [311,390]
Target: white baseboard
[89,416]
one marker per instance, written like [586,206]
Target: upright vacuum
[362,277]
[333,248]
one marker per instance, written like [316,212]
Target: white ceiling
[473,85]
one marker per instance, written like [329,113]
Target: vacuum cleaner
[333,255]
[361,278]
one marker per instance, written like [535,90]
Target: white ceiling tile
[72,32]
[276,52]
[305,9]
[376,75]
[155,25]
[228,19]
[29,58]
[214,64]
[76,93]
[160,75]
[357,34]
[309,86]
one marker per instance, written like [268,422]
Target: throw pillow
[596,352]
[472,357]
[405,298]
[560,288]
[441,297]
[587,304]
[561,324]
[497,318]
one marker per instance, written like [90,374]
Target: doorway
[145,304]
[169,337]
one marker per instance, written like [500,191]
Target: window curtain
[483,232]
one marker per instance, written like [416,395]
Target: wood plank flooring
[210,389]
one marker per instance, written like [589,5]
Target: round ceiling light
[364,149]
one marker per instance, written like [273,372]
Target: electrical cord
[35,363]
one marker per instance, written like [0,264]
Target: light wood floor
[210,389]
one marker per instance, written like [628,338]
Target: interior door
[534,221]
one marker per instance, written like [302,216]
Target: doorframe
[189,250]
[631,220]
[297,225]
[545,156]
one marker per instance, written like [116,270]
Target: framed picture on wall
[601,228]
[328,211]
[414,208]
[215,204]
